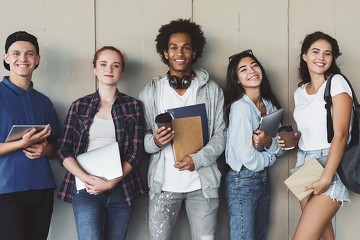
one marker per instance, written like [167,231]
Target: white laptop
[102,162]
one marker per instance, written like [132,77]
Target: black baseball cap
[20,36]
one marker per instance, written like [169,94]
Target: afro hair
[183,26]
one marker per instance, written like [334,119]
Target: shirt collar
[16,89]
[266,103]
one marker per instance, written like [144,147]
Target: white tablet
[271,122]
[17,131]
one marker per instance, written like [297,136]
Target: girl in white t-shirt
[317,61]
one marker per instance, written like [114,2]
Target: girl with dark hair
[249,151]
[317,61]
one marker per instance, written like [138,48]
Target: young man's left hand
[186,164]
[37,150]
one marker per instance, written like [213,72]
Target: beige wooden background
[69,32]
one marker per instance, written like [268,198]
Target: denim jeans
[101,217]
[164,209]
[248,196]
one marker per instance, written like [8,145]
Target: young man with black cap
[27,183]
[194,180]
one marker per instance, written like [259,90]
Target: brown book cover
[188,136]
[308,173]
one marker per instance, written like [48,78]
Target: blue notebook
[192,111]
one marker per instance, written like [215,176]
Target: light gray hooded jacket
[205,159]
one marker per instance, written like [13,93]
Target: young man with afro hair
[194,179]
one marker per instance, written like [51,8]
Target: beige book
[308,173]
[188,136]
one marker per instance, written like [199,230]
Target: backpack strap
[328,105]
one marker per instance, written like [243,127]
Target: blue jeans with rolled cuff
[248,196]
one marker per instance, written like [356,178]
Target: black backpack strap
[328,105]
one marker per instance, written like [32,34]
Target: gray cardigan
[205,159]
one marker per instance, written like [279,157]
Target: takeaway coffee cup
[289,136]
[164,120]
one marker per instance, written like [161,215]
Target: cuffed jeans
[101,217]
[248,196]
[164,209]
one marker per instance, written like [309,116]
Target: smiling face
[22,58]
[108,67]
[318,57]
[249,73]
[180,54]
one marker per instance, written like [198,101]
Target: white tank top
[102,132]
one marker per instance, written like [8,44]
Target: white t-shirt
[174,179]
[310,113]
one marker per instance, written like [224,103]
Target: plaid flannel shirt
[128,117]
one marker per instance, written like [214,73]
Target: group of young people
[103,209]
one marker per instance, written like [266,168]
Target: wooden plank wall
[70,31]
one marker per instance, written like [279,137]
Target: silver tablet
[271,122]
[17,131]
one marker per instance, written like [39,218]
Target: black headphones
[180,82]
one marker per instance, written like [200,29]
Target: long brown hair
[307,42]
[234,91]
